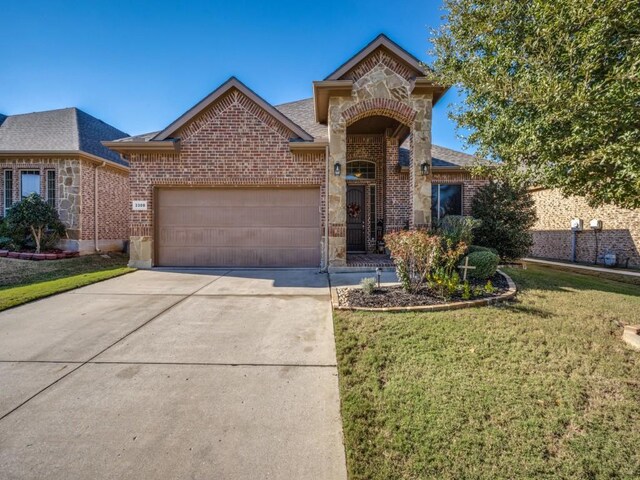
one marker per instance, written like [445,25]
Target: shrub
[414,253]
[33,219]
[368,285]
[458,229]
[478,248]
[507,213]
[445,284]
[6,243]
[486,264]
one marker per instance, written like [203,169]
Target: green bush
[478,248]
[486,264]
[458,229]
[368,285]
[6,243]
[507,213]
[33,222]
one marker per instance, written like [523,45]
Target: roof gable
[381,44]
[220,92]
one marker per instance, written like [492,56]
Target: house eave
[424,86]
[62,154]
[304,147]
[325,89]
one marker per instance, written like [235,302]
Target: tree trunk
[36,237]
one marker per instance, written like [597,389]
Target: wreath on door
[353,210]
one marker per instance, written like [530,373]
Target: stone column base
[140,252]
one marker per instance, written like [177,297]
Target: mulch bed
[395,296]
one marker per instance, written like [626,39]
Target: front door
[355,219]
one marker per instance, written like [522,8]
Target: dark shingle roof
[143,137]
[2,118]
[302,113]
[67,129]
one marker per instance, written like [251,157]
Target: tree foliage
[33,218]
[507,213]
[552,90]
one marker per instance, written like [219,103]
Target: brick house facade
[552,234]
[57,154]
[360,148]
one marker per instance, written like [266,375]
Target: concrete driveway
[162,374]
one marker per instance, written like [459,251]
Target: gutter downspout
[95,207]
[326,211]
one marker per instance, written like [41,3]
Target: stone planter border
[38,256]
[510,293]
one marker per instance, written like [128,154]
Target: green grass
[22,281]
[540,388]
[24,272]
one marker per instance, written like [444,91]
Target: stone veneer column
[140,248]
[420,153]
[337,188]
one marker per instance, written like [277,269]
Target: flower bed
[54,255]
[390,298]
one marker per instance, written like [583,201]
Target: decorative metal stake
[378,275]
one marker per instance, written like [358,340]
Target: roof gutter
[61,154]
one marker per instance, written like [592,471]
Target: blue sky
[138,65]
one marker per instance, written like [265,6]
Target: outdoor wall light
[424,168]
[337,168]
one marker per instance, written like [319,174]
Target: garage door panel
[231,237]
[241,257]
[234,216]
[238,227]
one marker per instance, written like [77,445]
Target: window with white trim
[7,191]
[29,183]
[51,188]
[445,200]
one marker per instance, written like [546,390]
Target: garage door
[238,227]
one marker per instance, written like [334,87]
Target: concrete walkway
[173,374]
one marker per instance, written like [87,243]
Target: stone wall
[552,234]
[68,192]
[378,90]
[234,142]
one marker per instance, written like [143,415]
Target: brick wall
[232,143]
[552,235]
[469,184]
[113,202]
[397,189]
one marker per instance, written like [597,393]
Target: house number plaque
[139,205]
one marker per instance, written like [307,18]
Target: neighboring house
[58,155]
[552,235]
[236,181]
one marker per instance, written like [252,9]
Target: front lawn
[22,281]
[540,388]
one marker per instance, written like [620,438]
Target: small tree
[507,213]
[33,217]
[414,253]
